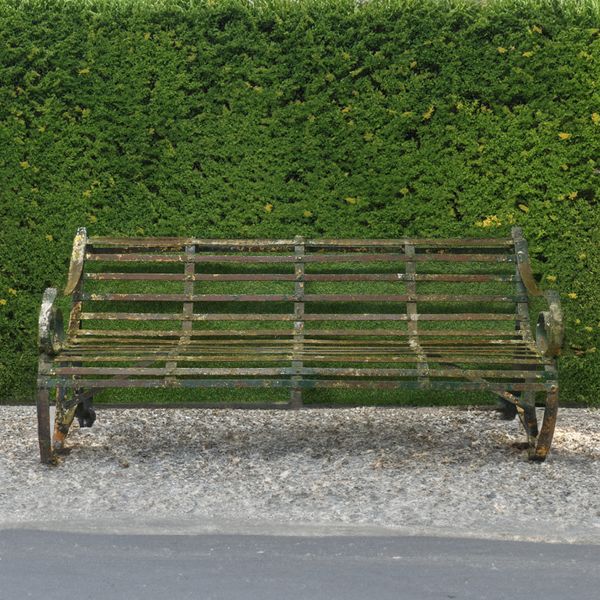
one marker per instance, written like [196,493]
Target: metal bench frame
[516,380]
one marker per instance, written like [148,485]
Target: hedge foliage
[324,118]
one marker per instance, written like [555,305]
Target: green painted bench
[299,314]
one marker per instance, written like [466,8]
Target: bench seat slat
[346,372]
[511,361]
[90,354]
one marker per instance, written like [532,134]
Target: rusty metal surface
[456,318]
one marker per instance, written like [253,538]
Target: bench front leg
[50,339]
[544,440]
[43,420]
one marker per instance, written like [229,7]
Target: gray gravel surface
[436,471]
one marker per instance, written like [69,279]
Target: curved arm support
[550,329]
[51,330]
[77,259]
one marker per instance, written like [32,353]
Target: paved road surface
[64,566]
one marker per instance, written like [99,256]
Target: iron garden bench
[418,314]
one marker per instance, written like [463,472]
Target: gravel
[435,471]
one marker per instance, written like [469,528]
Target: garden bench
[418,314]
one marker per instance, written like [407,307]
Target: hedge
[321,118]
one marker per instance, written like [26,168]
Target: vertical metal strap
[525,400]
[188,307]
[188,290]
[522,322]
[296,393]
[413,315]
[75,283]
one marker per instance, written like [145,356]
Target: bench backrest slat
[166,286]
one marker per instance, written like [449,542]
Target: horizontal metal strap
[195,342]
[131,316]
[342,372]
[169,242]
[280,357]
[69,381]
[327,277]
[358,333]
[103,297]
[290,258]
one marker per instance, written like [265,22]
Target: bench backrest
[169,287]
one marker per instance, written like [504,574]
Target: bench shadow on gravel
[461,437]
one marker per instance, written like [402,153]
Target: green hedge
[321,118]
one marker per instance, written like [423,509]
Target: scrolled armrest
[550,329]
[51,330]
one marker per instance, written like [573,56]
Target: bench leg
[527,403]
[544,440]
[43,420]
[62,422]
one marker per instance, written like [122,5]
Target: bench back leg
[527,402]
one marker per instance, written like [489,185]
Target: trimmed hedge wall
[322,118]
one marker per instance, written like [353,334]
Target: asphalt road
[58,565]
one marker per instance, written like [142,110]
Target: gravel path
[437,471]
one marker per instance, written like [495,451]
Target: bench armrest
[51,330]
[550,329]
